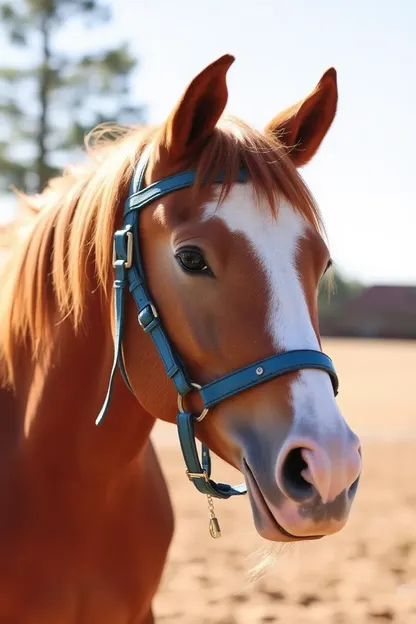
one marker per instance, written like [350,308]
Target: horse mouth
[258,498]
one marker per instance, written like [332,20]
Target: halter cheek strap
[129,272]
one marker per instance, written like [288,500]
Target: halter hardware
[182,410]
[129,272]
[129,261]
[147,317]
[197,475]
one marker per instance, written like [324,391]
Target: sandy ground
[364,574]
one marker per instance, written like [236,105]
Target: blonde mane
[47,278]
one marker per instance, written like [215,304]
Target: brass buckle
[154,314]
[197,475]
[129,260]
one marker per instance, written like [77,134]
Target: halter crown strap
[139,199]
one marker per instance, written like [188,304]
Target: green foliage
[51,97]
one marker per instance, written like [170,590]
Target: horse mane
[47,278]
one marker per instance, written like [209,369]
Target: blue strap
[266,369]
[121,254]
[200,475]
[142,198]
[148,316]
[150,322]
[137,180]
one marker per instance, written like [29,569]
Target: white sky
[363,175]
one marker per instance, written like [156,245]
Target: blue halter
[129,271]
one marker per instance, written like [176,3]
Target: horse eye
[192,261]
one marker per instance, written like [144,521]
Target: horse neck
[61,400]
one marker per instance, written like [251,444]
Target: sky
[363,174]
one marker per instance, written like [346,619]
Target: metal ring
[182,410]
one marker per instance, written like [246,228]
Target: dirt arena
[365,574]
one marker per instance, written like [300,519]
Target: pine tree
[51,96]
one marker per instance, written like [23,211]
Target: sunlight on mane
[50,274]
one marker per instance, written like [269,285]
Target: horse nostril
[352,490]
[292,482]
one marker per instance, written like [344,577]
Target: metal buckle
[155,315]
[182,409]
[129,261]
[197,475]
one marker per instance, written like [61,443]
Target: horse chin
[266,524]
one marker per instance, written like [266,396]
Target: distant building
[376,312]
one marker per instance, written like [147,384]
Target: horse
[173,276]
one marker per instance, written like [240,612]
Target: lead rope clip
[214,525]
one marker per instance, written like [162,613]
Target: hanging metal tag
[214,528]
[214,525]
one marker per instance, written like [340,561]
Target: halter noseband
[129,271]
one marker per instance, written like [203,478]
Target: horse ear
[302,127]
[195,116]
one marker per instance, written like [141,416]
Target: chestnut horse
[231,255]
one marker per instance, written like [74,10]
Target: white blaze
[274,242]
